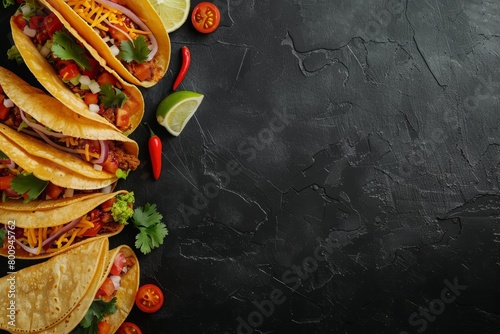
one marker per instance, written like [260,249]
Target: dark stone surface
[365,136]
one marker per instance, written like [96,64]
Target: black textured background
[344,163]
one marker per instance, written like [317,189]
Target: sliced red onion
[31,250]
[10,164]
[51,143]
[104,152]
[136,20]
[120,30]
[39,127]
[8,103]
[48,242]
[29,32]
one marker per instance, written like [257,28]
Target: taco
[69,290]
[43,295]
[80,144]
[71,72]
[128,34]
[43,230]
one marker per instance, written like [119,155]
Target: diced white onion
[44,51]
[94,108]
[68,193]
[114,50]
[105,39]
[125,269]
[84,80]
[29,32]
[116,281]
[98,167]
[106,190]
[8,103]
[94,87]
[26,10]
[97,31]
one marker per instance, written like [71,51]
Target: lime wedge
[176,109]
[173,13]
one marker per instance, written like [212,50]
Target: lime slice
[176,109]
[173,13]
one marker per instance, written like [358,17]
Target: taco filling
[104,219]
[74,65]
[127,36]
[106,155]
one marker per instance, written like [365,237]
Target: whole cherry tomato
[205,17]
[149,298]
[129,328]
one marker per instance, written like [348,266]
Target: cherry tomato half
[149,298]
[128,328]
[205,17]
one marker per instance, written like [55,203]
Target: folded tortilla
[54,115]
[53,291]
[143,10]
[49,79]
[37,216]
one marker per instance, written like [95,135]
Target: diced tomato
[91,98]
[5,182]
[142,71]
[52,24]
[68,72]
[107,288]
[111,164]
[122,118]
[36,21]
[19,21]
[103,328]
[130,105]
[107,205]
[42,36]
[118,264]
[105,78]
[91,232]
[94,69]
[53,191]
[117,35]
[4,111]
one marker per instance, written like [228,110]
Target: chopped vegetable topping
[138,50]
[96,312]
[122,208]
[66,48]
[152,230]
[13,54]
[28,185]
[112,96]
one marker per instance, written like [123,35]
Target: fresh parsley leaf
[96,312]
[112,96]
[138,50]
[7,3]
[66,47]
[13,54]
[28,185]
[3,155]
[3,235]
[152,230]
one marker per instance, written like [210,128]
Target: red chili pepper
[186,61]
[155,153]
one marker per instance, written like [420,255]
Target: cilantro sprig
[66,47]
[112,96]
[3,155]
[96,312]
[3,235]
[152,230]
[29,185]
[137,50]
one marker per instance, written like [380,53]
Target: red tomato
[52,24]
[118,264]
[19,21]
[205,17]
[91,98]
[149,298]
[103,328]
[94,69]
[107,288]
[130,105]
[4,111]
[53,191]
[92,232]
[129,328]
[122,118]
[105,78]
[5,182]
[117,35]
[142,71]
[111,164]
[36,21]
[68,72]
[108,204]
